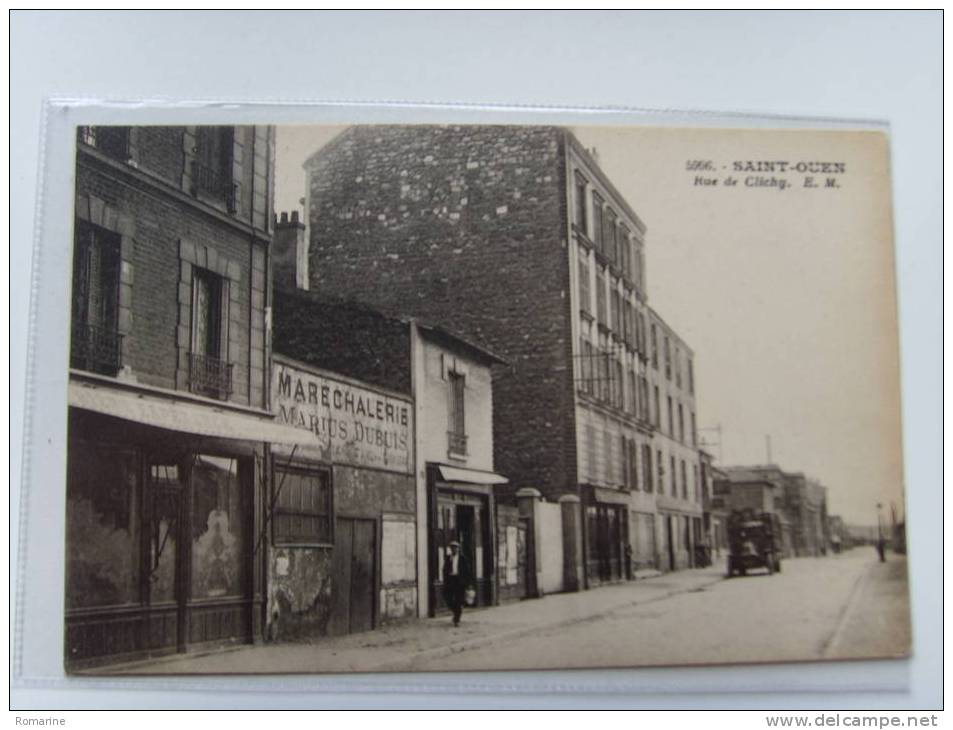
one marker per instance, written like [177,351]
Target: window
[678,367]
[691,376]
[585,293]
[658,408]
[668,359]
[303,509]
[625,258]
[210,373]
[654,337]
[591,450]
[96,343]
[611,235]
[625,464]
[588,366]
[696,484]
[581,217]
[615,300]
[647,467]
[636,268]
[601,298]
[597,231]
[681,423]
[674,476]
[660,466]
[633,404]
[212,165]
[112,141]
[609,461]
[671,421]
[694,431]
[644,398]
[684,481]
[619,400]
[633,465]
[456,428]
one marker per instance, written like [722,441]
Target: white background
[883,66]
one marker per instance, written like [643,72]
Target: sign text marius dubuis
[358,426]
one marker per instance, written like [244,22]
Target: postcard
[445,397]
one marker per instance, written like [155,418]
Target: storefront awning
[470,476]
[183,416]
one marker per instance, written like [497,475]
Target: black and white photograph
[446,397]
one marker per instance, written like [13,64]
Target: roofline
[481,352]
[578,148]
[327,147]
[654,313]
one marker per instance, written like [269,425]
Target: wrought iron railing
[216,183]
[457,442]
[96,348]
[210,376]
[113,141]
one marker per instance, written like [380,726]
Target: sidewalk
[391,648]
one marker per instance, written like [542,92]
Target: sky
[787,297]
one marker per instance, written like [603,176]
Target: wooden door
[354,576]
[362,583]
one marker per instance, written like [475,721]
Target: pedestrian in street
[881,549]
[456,578]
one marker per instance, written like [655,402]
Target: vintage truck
[754,541]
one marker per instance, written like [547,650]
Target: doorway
[354,576]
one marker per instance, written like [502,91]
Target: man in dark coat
[456,578]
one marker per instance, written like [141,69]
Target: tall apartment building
[168,390]
[680,490]
[517,238]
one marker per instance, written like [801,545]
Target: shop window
[102,526]
[218,529]
[456,428]
[96,344]
[212,165]
[163,494]
[303,507]
[210,373]
[112,141]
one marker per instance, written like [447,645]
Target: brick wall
[464,227]
[159,225]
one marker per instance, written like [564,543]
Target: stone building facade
[516,237]
[168,390]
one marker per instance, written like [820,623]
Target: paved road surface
[834,607]
[840,606]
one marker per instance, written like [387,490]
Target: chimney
[289,253]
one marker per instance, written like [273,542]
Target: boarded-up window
[303,513]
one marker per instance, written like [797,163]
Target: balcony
[215,183]
[112,141]
[456,443]
[96,348]
[210,376]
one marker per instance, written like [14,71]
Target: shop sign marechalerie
[358,426]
